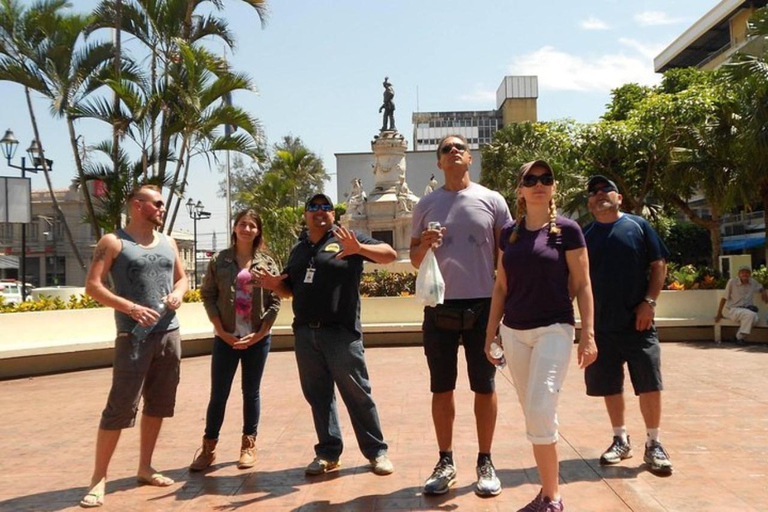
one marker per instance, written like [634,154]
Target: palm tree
[749,76]
[21,38]
[706,160]
[119,182]
[301,170]
[160,25]
[200,83]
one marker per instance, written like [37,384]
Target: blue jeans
[224,363]
[329,355]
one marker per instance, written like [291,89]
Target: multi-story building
[515,102]
[708,44]
[712,40]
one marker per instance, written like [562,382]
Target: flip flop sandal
[99,501]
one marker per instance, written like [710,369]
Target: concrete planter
[49,341]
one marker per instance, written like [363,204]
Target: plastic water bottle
[140,332]
[435,225]
[498,353]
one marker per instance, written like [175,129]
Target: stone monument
[385,213]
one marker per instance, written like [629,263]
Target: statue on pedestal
[388,107]
[431,186]
[357,198]
[405,200]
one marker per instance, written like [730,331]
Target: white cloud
[479,95]
[649,51]
[562,71]
[652,18]
[593,23]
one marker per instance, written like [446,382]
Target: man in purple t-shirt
[471,217]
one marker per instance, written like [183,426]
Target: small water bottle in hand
[140,332]
[498,353]
[435,225]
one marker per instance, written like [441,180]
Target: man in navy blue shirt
[628,266]
[323,276]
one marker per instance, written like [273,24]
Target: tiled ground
[715,424]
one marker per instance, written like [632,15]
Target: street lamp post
[9,144]
[196,212]
[51,235]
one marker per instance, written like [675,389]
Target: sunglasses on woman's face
[530,180]
[448,147]
[315,207]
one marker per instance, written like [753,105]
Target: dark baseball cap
[526,167]
[318,196]
[594,181]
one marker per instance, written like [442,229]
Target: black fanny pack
[457,319]
[752,309]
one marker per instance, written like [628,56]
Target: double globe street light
[196,212]
[9,145]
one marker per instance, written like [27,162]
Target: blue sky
[319,67]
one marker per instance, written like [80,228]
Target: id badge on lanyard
[309,276]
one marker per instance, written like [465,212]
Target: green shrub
[689,277]
[382,283]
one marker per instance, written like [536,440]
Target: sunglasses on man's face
[157,204]
[448,147]
[530,180]
[604,189]
[315,207]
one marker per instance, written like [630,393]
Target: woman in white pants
[543,263]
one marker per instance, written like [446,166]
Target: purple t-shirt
[537,275]
[470,216]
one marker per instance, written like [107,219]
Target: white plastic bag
[430,287]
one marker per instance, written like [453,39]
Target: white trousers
[745,317]
[538,361]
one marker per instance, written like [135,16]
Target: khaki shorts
[150,369]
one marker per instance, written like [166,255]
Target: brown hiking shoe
[206,457]
[247,453]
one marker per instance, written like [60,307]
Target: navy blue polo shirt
[620,254]
[333,296]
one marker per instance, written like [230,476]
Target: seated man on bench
[739,303]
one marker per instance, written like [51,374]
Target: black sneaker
[618,451]
[657,459]
[442,478]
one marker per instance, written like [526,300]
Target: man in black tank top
[146,268]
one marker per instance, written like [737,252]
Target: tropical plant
[24,43]
[749,76]
[518,143]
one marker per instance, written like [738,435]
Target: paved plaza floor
[715,426]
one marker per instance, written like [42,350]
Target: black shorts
[642,353]
[441,346]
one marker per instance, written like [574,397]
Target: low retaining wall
[52,341]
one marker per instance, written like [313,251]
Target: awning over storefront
[740,244]
[9,261]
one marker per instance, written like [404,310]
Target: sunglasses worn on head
[157,204]
[605,189]
[530,180]
[448,147]
[315,207]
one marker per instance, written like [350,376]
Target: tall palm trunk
[56,207]
[81,176]
[115,97]
[182,189]
[172,191]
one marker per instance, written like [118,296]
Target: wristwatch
[650,302]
